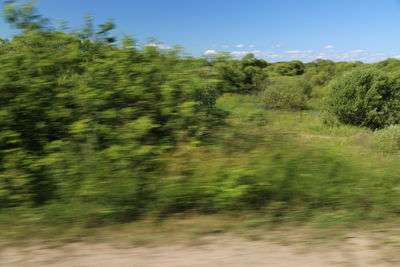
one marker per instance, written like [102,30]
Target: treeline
[355,93]
[94,128]
[84,119]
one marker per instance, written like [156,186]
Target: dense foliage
[286,93]
[85,120]
[247,75]
[291,68]
[387,140]
[365,97]
[95,129]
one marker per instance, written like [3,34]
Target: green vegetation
[291,68]
[241,76]
[96,131]
[365,97]
[286,93]
[388,139]
[86,121]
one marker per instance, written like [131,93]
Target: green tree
[286,93]
[365,97]
[242,76]
[85,120]
[290,68]
[24,16]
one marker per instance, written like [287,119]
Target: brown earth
[214,250]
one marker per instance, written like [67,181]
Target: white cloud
[328,46]
[357,51]
[256,53]
[159,46]
[270,55]
[210,52]
[277,45]
[251,46]
[239,53]
[240,46]
[293,52]
[379,54]
[309,55]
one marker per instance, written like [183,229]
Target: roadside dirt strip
[218,250]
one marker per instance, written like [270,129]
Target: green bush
[387,139]
[289,68]
[83,119]
[365,97]
[242,76]
[320,79]
[329,120]
[286,93]
[303,178]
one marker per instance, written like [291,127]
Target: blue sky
[367,30]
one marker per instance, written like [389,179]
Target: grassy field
[317,175]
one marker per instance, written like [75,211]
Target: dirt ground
[219,250]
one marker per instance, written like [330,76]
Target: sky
[276,30]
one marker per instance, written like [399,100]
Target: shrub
[290,68]
[286,93]
[242,76]
[321,78]
[388,139]
[364,97]
[329,121]
[87,121]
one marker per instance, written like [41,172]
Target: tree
[24,16]
[286,93]
[85,120]
[242,76]
[365,97]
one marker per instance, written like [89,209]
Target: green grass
[245,108]
[275,167]
[368,168]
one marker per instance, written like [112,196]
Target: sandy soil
[216,251]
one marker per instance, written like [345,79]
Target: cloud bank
[210,52]
[308,55]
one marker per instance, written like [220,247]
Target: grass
[307,125]
[251,146]
[197,230]
[245,108]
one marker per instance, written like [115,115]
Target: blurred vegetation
[96,130]
[84,120]
[387,140]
